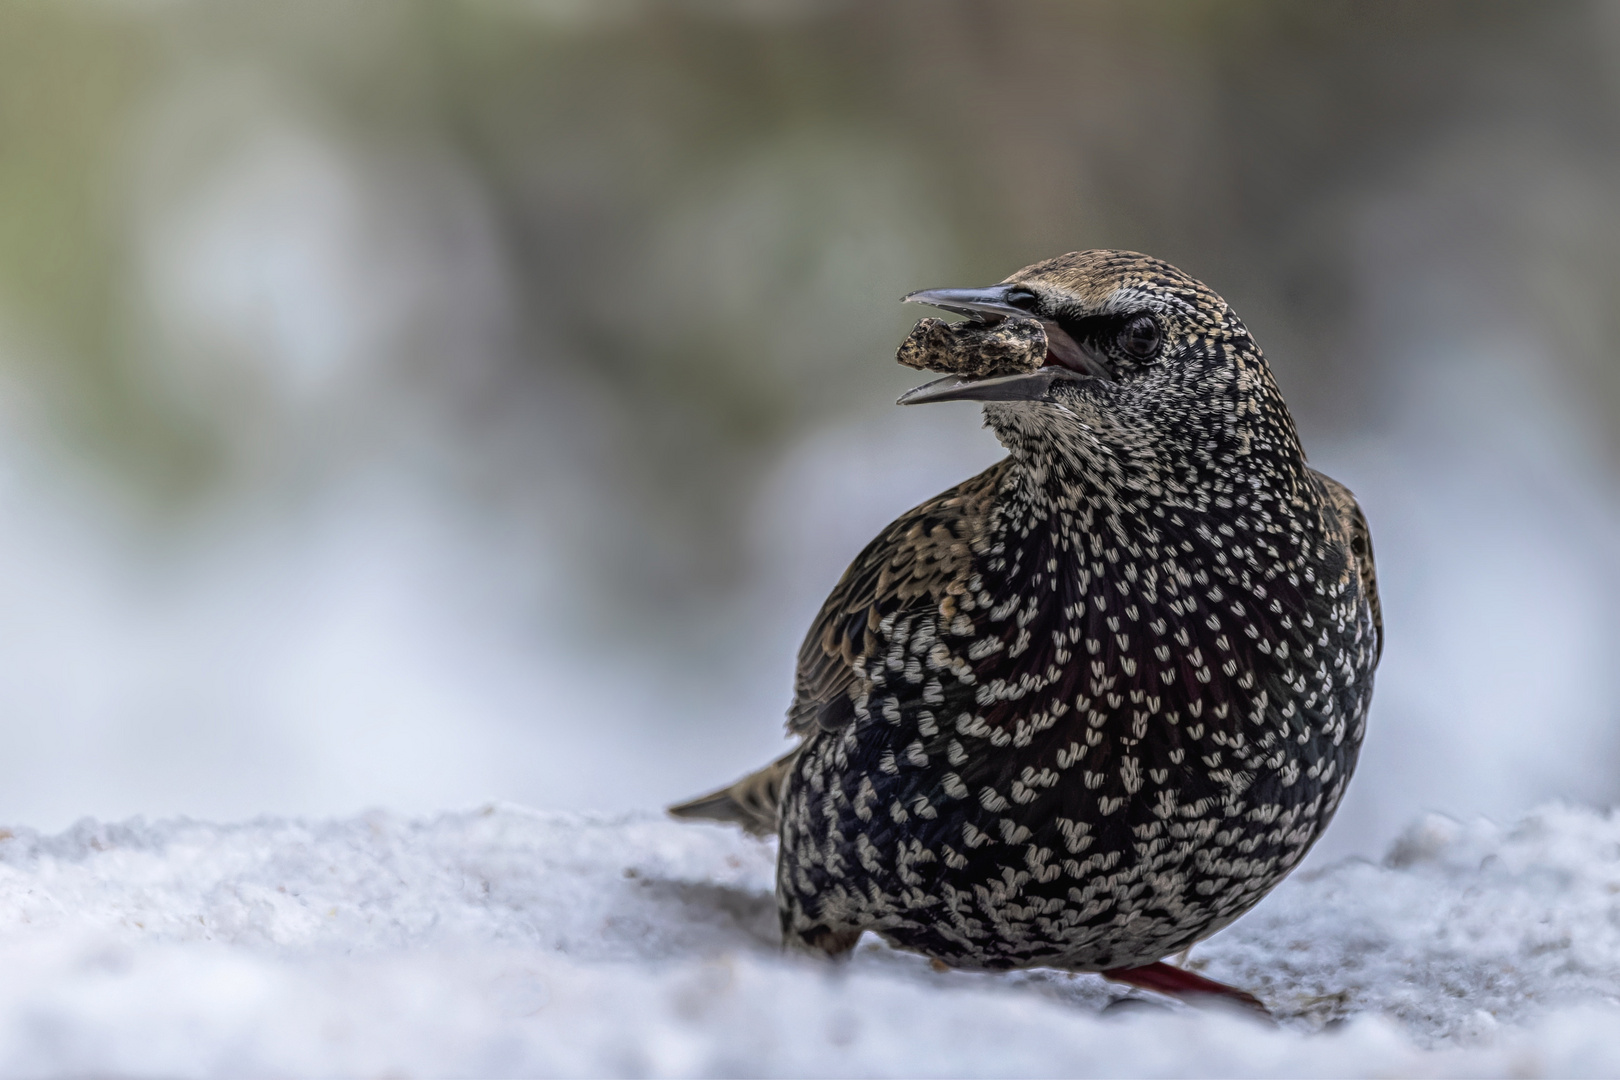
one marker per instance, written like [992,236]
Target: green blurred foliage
[704,211]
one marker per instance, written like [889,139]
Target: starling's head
[1111,318]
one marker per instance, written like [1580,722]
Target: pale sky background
[417,407]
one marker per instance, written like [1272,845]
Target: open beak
[1066,358]
[970,302]
[1027,387]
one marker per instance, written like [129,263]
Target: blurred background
[414,404]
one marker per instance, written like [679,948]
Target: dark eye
[1020,297]
[1141,337]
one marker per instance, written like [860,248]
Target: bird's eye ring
[1141,337]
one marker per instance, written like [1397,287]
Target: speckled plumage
[1089,706]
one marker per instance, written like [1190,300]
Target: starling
[1088,707]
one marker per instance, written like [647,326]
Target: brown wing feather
[751,802]
[923,559]
[1359,540]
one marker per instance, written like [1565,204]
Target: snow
[503,941]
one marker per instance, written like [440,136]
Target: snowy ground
[503,941]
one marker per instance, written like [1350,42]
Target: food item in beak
[976,350]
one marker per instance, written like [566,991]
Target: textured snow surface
[503,941]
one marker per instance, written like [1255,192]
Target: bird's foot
[1180,983]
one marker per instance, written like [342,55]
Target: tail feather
[751,802]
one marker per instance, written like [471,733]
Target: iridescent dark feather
[1088,707]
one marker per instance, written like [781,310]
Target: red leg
[1177,983]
